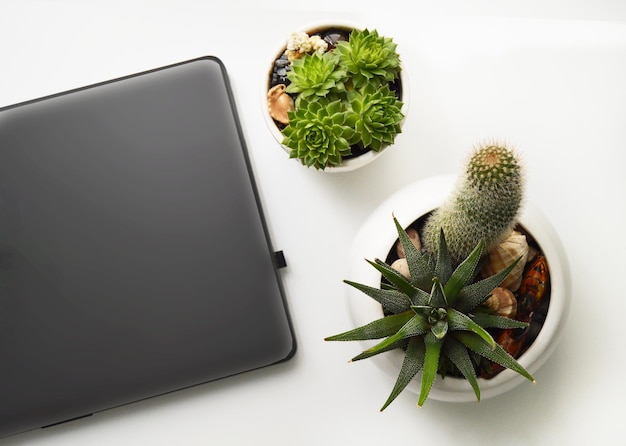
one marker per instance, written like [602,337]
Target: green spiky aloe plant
[435,317]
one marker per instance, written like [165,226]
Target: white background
[547,76]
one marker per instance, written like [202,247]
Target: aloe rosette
[436,317]
[319,133]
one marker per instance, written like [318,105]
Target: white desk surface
[548,76]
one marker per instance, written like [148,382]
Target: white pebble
[402,267]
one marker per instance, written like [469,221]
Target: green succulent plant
[319,132]
[316,75]
[359,74]
[368,57]
[377,115]
[435,316]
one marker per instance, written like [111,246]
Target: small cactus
[485,205]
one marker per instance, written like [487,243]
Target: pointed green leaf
[415,326]
[420,298]
[437,295]
[463,274]
[443,268]
[457,353]
[413,363]
[460,321]
[394,277]
[391,299]
[497,355]
[400,343]
[431,364]
[494,321]
[473,295]
[377,329]
[422,310]
[387,286]
[420,268]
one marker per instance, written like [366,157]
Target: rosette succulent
[368,57]
[358,76]
[319,133]
[435,315]
[316,75]
[376,113]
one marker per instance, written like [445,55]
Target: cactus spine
[484,206]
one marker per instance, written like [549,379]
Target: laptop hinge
[279,258]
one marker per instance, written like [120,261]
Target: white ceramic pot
[377,236]
[350,163]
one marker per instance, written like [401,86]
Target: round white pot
[348,164]
[377,236]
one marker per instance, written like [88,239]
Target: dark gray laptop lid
[134,257]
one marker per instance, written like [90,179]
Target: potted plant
[334,96]
[471,293]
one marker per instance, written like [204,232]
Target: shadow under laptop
[206,400]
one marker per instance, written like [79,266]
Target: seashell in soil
[514,246]
[502,302]
[415,238]
[279,103]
